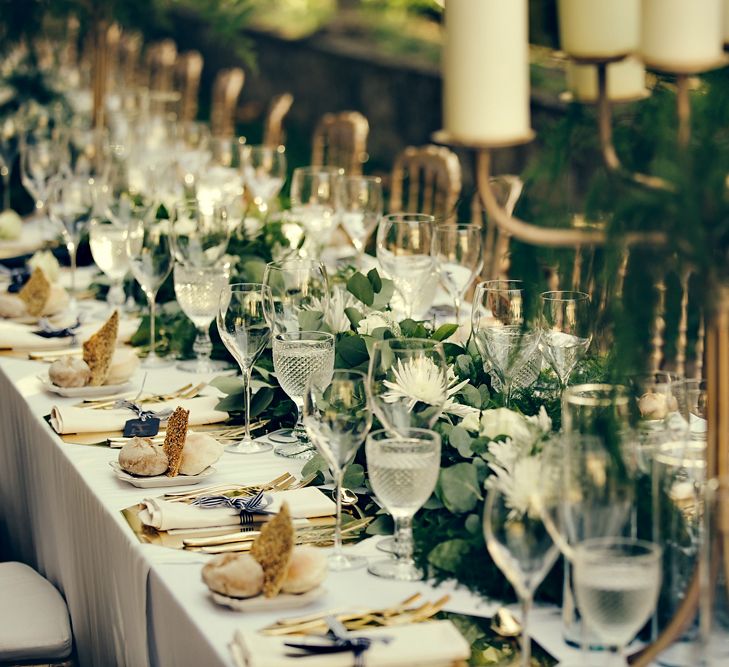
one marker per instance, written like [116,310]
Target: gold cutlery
[251,489]
[106,403]
[54,355]
[222,435]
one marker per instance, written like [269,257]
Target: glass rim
[578,296]
[400,339]
[243,287]
[457,225]
[361,177]
[666,456]
[404,217]
[413,434]
[573,395]
[501,285]
[652,551]
[315,336]
[312,169]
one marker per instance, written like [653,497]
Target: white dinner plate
[159,481]
[85,392]
[260,603]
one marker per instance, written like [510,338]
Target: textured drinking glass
[404,246]
[200,233]
[108,242]
[337,419]
[314,205]
[403,470]
[502,335]
[245,323]
[458,256]
[566,323]
[264,173]
[359,206]
[300,357]
[198,292]
[10,133]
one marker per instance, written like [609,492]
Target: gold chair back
[273,132]
[188,69]
[160,61]
[226,91]
[340,140]
[130,49]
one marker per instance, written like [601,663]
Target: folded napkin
[66,419]
[16,336]
[432,644]
[306,503]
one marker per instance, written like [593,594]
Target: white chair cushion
[34,620]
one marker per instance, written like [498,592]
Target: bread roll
[200,451]
[124,364]
[307,569]
[69,372]
[11,305]
[142,457]
[234,575]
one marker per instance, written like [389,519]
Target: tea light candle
[625,80]
[599,28]
[486,70]
[684,36]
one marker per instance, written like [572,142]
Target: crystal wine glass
[108,242]
[617,581]
[359,206]
[404,244]
[245,322]
[314,204]
[41,158]
[300,357]
[500,331]
[566,323]
[200,233]
[337,418]
[10,133]
[198,292]
[457,252]
[264,173]
[403,471]
[150,256]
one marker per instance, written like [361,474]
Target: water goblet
[108,242]
[298,358]
[264,173]
[337,418]
[150,257]
[500,331]
[457,252]
[403,470]
[198,292]
[200,233]
[404,246]
[314,205]
[245,323]
[10,133]
[359,206]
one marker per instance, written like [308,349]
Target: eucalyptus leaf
[361,288]
[473,524]
[311,320]
[354,476]
[449,555]
[228,384]
[352,350]
[471,395]
[374,277]
[461,440]
[381,525]
[384,296]
[459,488]
[353,315]
[445,331]
[261,400]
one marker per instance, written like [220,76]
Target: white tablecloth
[134,604]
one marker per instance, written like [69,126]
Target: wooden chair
[431,176]
[226,91]
[188,69]
[273,132]
[340,140]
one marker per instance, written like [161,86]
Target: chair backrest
[160,60]
[130,48]
[340,140]
[188,69]
[431,177]
[226,91]
[273,132]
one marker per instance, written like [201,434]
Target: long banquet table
[138,604]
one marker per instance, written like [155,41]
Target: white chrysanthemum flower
[541,420]
[522,486]
[451,406]
[334,316]
[417,380]
[377,320]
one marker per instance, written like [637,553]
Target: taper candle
[599,28]
[726,22]
[625,80]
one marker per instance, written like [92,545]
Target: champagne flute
[264,173]
[617,582]
[198,293]
[298,358]
[337,418]
[566,323]
[10,133]
[108,242]
[500,331]
[403,471]
[404,244]
[245,323]
[150,257]
[359,206]
[314,204]
[457,251]
[200,233]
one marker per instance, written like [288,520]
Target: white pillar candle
[726,21]
[599,28]
[486,70]
[682,35]
[625,80]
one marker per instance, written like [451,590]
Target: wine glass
[264,173]
[359,206]
[617,581]
[10,133]
[198,291]
[200,233]
[150,257]
[108,242]
[314,204]
[500,331]
[245,322]
[41,158]
[404,244]
[566,323]
[403,470]
[520,544]
[88,153]
[457,252]
[337,418]
[70,204]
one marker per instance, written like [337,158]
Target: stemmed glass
[566,323]
[359,206]
[198,293]
[617,582]
[403,470]
[10,132]
[264,173]
[148,248]
[314,204]
[520,545]
[108,242]
[41,158]
[457,252]
[404,244]
[245,322]
[337,418]
[500,331]
[200,233]
[298,358]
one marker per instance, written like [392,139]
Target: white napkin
[66,419]
[433,643]
[305,503]
[15,336]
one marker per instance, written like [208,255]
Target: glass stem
[72,248]
[5,173]
[152,310]
[507,393]
[526,643]
[247,392]
[404,540]
[457,305]
[299,429]
[203,346]
[338,481]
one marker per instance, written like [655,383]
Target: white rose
[502,421]
[376,321]
[44,260]
[470,422]
[11,226]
